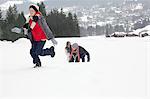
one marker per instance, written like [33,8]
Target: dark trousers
[37,50]
[84,55]
[74,60]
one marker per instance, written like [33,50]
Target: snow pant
[74,59]
[83,57]
[37,50]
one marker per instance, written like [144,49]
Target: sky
[4,4]
[36,1]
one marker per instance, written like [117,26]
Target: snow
[119,69]
[120,33]
[84,18]
[139,6]
[101,23]
[118,12]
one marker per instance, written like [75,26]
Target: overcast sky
[4,4]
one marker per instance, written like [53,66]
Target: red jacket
[37,32]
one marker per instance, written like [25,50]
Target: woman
[38,33]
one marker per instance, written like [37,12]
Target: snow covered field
[119,69]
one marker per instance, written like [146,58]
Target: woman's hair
[67,43]
[68,48]
[33,7]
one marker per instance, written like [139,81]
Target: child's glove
[16,30]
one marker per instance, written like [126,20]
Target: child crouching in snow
[38,33]
[68,49]
[76,52]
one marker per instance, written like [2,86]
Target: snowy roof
[145,29]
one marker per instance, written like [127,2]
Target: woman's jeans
[37,50]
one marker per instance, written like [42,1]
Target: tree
[1,24]
[0,14]
[109,29]
[10,22]
[100,30]
[42,8]
[11,14]
[76,25]
[20,20]
[63,25]
[70,24]
[119,28]
[91,31]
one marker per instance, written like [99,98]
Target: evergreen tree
[9,23]
[0,14]
[11,15]
[63,25]
[109,30]
[76,26]
[1,19]
[70,24]
[100,30]
[20,20]
[52,21]
[119,28]
[0,24]
[42,8]
[91,31]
